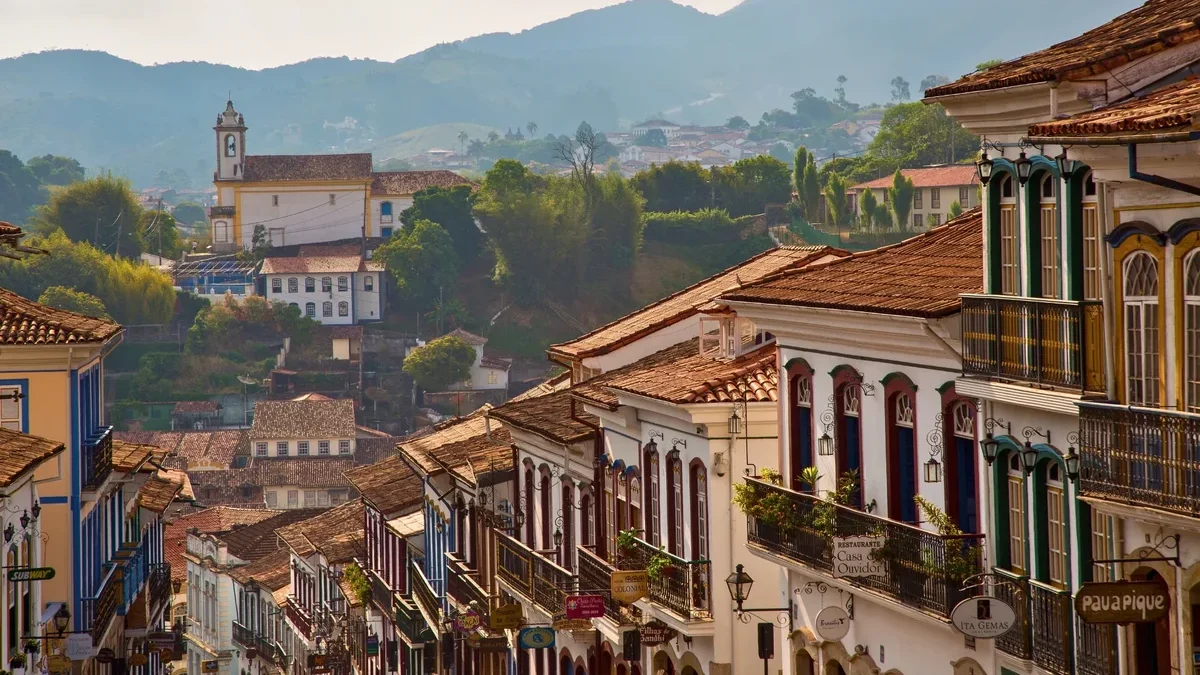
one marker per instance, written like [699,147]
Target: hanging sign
[536,638]
[585,606]
[372,645]
[58,664]
[571,625]
[467,622]
[31,574]
[162,640]
[209,666]
[983,617]
[492,645]
[79,646]
[506,616]
[852,557]
[1122,601]
[630,586]
[833,623]
[656,633]
[138,659]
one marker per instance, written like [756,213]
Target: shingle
[24,322]
[1172,108]
[156,494]
[305,472]
[324,264]
[262,168]
[389,485]
[272,571]
[303,420]
[22,452]
[129,457]
[209,520]
[930,176]
[467,337]
[337,534]
[255,540]
[410,182]
[548,416]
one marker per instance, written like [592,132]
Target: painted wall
[304,213]
[368,304]
[272,449]
[321,497]
[376,221]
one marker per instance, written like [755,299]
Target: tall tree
[189,213]
[493,136]
[532,127]
[900,197]
[812,190]
[56,170]
[422,262]
[867,204]
[799,164]
[462,141]
[450,208]
[840,90]
[655,138]
[159,233]
[835,200]
[914,135]
[737,123]
[674,186]
[260,245]
[61,297]
[19,189]
[102,210]
[900,90]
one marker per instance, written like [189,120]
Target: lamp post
[739,584]
[62,619]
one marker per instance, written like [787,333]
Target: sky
[266,33]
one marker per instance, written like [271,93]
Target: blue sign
[536,638]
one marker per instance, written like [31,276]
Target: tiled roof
[374,449]
[390,485]
[345,332]
[196,407]
[324,264]
[408,525]
[1172,108]
[312,397]
[303,419]
[231,487]
[253,541]
[157,493]
[25,322]
[473,457]
[181,477]
[307,167]
[922,276]
[305,472]
[467,337]
[337,534]
[21,452]
[421,448]
[210,520]
[548,416]
[1149,28]
[495,362]
[128,457]
[681,305]
[930,176]
[411,182]
[272,571]
[327,249]
[214,449]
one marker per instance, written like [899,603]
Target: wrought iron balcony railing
[461,584]
[1043,630]
[160,586]
[535,577]
[381,593]
[922,569]
[1096,648]
[244,636]
[427,600]
[595,572]
[99,610]
[1049,343]
[299,617]
[96,464]
[683,587]
[1051,615]
[1015,593]
[1140,456]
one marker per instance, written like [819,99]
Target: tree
[764,180]
[955,210]
[799,163]
[260,245]
[19,189]
[614,230]
[900,89]
[812,190]
[780,152]
[189,213]
[422,262]
[737,123]
[674,186]
[475,148]
[440,363]
[159,233]
[55,170]
[812,110]
[931,81]
[867,205]
[580,153]
[840,90]
[493,136]
[451,209]
[914,135]
[655,138]
[835,200]
[61,297]
[102,210]
[462,141]
[532,127]
[900,198]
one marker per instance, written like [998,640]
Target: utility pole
[156,217]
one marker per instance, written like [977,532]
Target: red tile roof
[1175,107]
[337,534]
[922,276]
[20,453]
[216,519]
[1152,27]
[196,407]
[157,493]
[212,449]
[930,176]
[411,182]
[389,485]
[305,472]
[272,571]
[255,540]
[25,322]
[548,416]
[265,168]
[467,337]
[312,420]
[325,264]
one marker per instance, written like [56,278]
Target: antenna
[246,380]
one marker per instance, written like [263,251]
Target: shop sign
[31,574]
[107,655]
[833,623]
[852,557]
[506,616]
[138,659]
[493,645]
[570,625]
[467,622]
[372,645]
[656,633]
[1122,601]
[983,617]
[630,585]
[585,606]
[58,664]
[162,640]
[536,638]
[206,666]
[79,646]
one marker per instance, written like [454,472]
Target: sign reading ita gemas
[983,617]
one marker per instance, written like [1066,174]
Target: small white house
[309,428]
[332,289]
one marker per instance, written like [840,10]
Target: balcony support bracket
[1168,542]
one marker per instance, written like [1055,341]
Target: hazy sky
[264,33]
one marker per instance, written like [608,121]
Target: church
[305,199]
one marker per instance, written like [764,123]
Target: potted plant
[32,647]
[659,565]
[16,661]
[627,541]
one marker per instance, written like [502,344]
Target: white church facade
[305,199]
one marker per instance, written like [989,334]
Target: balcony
[160,588]
[410,621]
[1096,648]
[595,572]
[219,211]
[99,610]
[427,600]
[299,617]
[381,593]
[923,569]
[535,577]
[96,463]
[684,587]
[462,586]
[1053,344]
[244,636]
[1140,456]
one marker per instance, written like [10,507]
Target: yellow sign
[506,616]
[630,586]
[573,624]
[138,660]
[210,666]
[58,663]
[473,640]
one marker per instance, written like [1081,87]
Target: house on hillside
[392,192]
[936,188]
[313,428]
[669,129]
[332,290]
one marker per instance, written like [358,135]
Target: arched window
[902,460]
[292,287]
[1051,279]
[326,308]
[221,231]
[962,494]
[529,536]
[310,310]
[587,523]
[1191,334]
[1092,241]
[567,553]
[1015,500]
[610,508]
[621,490]
[343,308]
[368,283]
[635,503]
[230,145]
[343,284]
[1009,276]
[14,624]
[699,511]
[547,516]
[1141,330]
[653,530]
[849,430]
[801,439]
[310,285]
[1052,524]
[326,284]
[674,503]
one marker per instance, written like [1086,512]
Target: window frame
[1190,327]
[344,447]
[1146,309]
[698,477]
[261,448]
[282,448]
[343,308]
[302,448]
[277,285]
[343,284]
[310,285]
[322,447]
[326,309]
[368,283]
[293,285]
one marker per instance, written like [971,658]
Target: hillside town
[946,420]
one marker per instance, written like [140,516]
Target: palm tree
[532,127]
[462,141]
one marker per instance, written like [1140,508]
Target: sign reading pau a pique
[1122,601]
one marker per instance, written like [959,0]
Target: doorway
[1152,641]
[834,668]
[805,664]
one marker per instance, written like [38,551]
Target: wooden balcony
[410,621]
[596,573]
[96,461]
[532,575]
[299,617]
[462,586]
[684,587]
[923,569]
[160,588]
[427,600]
[381,593]
[1140,456]
[1047,343]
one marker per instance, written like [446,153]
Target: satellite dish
[246,380]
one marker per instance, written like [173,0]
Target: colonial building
[935,189]
[311,428]
[332,290]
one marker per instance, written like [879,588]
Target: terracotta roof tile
[231,487]
[129,457]
[467,337]
[196,407]
[930,176]
[344,332]
[1172,108]
[495,362]
[255,540]
[272,571]
[471,458]
[210,520]
[303,420]
[1152,27]
[208,449]
[421,448]
[21,452]
[337,534]
[157,493]
[25,322]
[305,472]
[922,276]
[411,182]
[307,167]
[324,264]
[681,305]
[548,416]
[389,485]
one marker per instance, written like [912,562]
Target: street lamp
[825,445]
[739,584]
[983,167]
[558,537]
[62,619]
[1024,168]
[735,423]
[990,447]
[1029,455]
[1066,167]
[933,470]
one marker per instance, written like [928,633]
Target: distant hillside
[416,141]
[620,64]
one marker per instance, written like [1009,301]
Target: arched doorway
[564,665]
[688,670]
[834,668]
[805,664]
[663,664]
[1152,641]
[606,663]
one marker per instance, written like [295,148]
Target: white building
[332,289]
[935,189]
[310,428]
[670,129]
[487,372]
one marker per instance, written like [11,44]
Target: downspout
[1156,180]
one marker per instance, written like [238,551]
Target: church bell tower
[231,144]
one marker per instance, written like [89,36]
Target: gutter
[1119,139]
[1159,180]
[946,346]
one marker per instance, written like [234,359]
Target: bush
[692,227]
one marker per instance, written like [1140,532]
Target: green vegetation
[72,300]
[421,262]
[159,233]
[224,325]
[101,210]
[440,363]
[359,584]
[745,188]
[451,209]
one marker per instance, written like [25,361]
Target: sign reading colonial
[585,606]
[852,557]
[506,616]
[1122,601]
[630,586]
[983,617]
[31,574]
[656,633]
[571,625]
[833,623]
[536,638]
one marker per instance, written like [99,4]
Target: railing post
[997,335]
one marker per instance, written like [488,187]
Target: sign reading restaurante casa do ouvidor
[852,557]
[1122,601]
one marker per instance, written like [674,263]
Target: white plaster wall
[657,341]
[367,305]
[318,297]
[313,451]
[376,222]
[304,213]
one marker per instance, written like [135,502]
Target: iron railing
[1049,343]
[461,584]
[1140,456]
[96,464]
[1051,614]
[423,593]
[683,587]
[1096,648]
[535,577]
[299,617]
[922,569]
[160,586]
[410,621]
[99,610]
[244,636]
[596,573]
[381,593]
[1014,591]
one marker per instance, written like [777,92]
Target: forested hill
[609,66]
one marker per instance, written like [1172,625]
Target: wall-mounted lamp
[36,510]
[1024,168]
[1071,459]
[933,470]
[24,519]
[983,167]
[735,423]
[825,445]
[1029,454]
[1066,167]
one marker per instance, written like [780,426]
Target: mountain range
[612,66]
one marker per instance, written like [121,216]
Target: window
[260,449]
[962,496]
[917,198]
[610,508]
[964,197]
[230,145]
[293,499]
[385,232]
[1016,513]
[281,448]
[343,447]
[568,527]
[292,287]
[310,310]
[493,377]
[1191,335]
[343,284]
[385,212]
[343,308]
[274,200]
[310,285]
[1141,330]
[544,507]
[326,308]
[368,283]
[221,231]
[699,511]
[587,519]
[902,462]
[272,499]
[301,447]
[310,499]
[10,408]
[635,504]
[801,438]
[849,440]
[917,221]
[935,198]
[1008,238]
[1092,242]
[1056,530]
[326,284]
[322,447]
[675,503]
[322,498]
[1048,226]
[332,199]
[1103,541]
[528,515]
[13,620]
[935,219]
[652,496]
